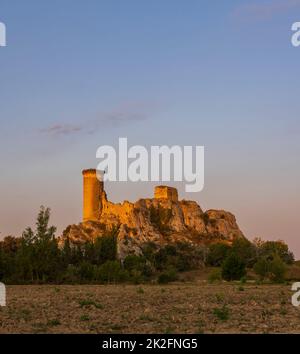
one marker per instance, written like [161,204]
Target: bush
[104,248]
[233,268]
[261,267]
[245,250]
[136,277]
[86,271]
[277,269]
[215,275]
[111,272]
[269,248]
[243,280]
[222,313]
[172,256]
[37,257]
[167,276]
[217,253]
[160,217]
[138,265]
[70,275]
[272,268]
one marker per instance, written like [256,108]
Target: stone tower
[92,193]
[166,192]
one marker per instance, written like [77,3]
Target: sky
[76,75]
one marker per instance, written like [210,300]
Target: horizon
[219,75]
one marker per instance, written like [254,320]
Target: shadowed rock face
[160,220]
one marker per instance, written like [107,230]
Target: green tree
[245,250]
[261,267]
[217,253]
[272,268]
[111,272]
[105,247]
[277,269]
[233,268]
[270,248]
[39,253]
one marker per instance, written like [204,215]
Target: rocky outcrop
[160,220]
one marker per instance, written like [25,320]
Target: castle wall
[165,192]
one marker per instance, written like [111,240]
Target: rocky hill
[161,220]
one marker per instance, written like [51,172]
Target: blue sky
[77,75]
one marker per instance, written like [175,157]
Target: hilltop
[161,220]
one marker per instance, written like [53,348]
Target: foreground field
[195,307]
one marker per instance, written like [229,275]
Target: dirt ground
[194,307]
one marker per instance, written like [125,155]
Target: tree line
[37,258]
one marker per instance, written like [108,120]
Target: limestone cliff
[163,219]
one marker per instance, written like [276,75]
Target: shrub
[181,256]
[137,264]
[277,269]
[217,253]
[167,276]
[269,248]
[245,250]
[111,272]
[160,217]
[86,271]
[149,249]
[136,276]
[261,267]
[70,275]
[243,280]
[215,275]
[105,247]
[233,268]
[53,323]
[222,313]
[140,290]
[274,269]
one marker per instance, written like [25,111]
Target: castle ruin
[160,220]
[93,188]
[93,192]
[165,192]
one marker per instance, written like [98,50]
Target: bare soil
[190,307]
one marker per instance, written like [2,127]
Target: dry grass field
[190,307]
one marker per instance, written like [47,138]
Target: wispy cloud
[264,10]
[61,129]
[123,114]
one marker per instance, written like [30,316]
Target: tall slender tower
[92,193]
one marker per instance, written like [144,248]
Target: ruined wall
[138,223]
[165,192]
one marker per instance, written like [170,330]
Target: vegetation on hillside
[36,257]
